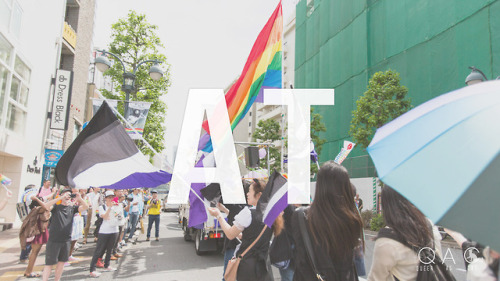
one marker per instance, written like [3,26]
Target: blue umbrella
[444,157]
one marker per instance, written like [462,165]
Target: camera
[130,199]
[72,195]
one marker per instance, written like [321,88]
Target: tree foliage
[269,131]
[134,40]
[317,126]
[384,100]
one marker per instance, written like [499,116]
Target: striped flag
[104,155]
[274,199]
[262,70]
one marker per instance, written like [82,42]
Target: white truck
[208,238]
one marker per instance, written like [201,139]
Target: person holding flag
[253,265]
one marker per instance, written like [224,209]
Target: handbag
[232,265]
[142,225]
[280,252]
[307,244]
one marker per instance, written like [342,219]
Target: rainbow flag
[262,70]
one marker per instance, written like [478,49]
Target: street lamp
[475,76]
[102,63]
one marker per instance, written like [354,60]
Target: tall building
[30,40]
[76,57]
[341,44]
[36,39]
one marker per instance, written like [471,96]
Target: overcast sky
[206,42]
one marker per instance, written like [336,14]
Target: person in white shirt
[121,207]
[134,212]
[108,233]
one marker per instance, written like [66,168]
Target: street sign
[62,99]
[52,156]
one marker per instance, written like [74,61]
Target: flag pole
[147,143]
[282,168]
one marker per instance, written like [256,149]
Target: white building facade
[36,39]
[30,42]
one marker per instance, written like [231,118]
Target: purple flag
[197,212]
[273,200]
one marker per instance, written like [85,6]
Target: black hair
[405,219]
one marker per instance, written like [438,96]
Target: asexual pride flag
[103,155]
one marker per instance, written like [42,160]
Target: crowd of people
[62,219]
[326,239]
[321,241]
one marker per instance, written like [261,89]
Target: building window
[5,49]
[5,11]
[11,16]
[14,92]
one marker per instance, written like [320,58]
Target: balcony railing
[69,35]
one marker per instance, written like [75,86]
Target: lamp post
[475,76]
[102,63]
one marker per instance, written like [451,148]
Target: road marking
[11,275]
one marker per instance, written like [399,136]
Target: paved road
[170,259]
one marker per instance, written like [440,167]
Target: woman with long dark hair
[334,226]
[392,258]
[254,265]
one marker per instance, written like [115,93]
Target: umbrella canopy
[444,157]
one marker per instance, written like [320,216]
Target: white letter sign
[227,171]
[299,102]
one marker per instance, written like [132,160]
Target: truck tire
[197,242]
[187,234]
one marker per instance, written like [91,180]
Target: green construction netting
[341,44]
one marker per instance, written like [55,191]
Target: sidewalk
[10,268]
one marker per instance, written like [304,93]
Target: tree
[134,40]
[384,100]
[317,126]
[269,131]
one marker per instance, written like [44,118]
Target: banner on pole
[136,116]
[96,103]
[348,146]
[52,156]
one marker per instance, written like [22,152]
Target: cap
[66,190]
[109,193]
[154,191]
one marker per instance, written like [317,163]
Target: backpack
[281,251]
[434,270]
